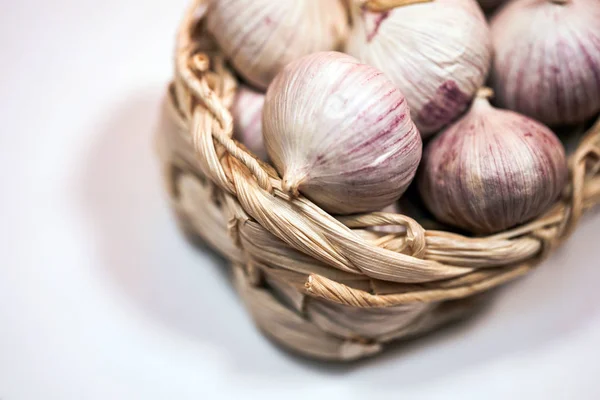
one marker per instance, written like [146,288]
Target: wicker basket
[332,288]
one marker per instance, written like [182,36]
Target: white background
[102,298]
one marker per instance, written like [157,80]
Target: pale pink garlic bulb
[261,36]
[437,53]
[247,118]
[340,132]
[491,170]
[547,62]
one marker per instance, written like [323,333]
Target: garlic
[547,63]
[261,36]
[438,54]
[340,132]
[247,118]
[492,169]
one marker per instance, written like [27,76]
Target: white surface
[102,298]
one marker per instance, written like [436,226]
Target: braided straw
[325,287]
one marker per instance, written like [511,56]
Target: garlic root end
[291,182]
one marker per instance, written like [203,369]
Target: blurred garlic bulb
[247,118]
[261,36]
[492,169]
[437,53]
[340,132]
[547,62]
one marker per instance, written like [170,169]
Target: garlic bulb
[340,132]
[437,53]
[491,170]
[261,36]
[547,63]
[247,118]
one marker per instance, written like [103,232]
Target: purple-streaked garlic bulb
[492,169]
[547,59]
[340,132]
[437,53]
[247,118]
[261,36]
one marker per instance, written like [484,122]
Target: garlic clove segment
[340,132]
[547,59]
[247,119]
[491,170]
[260,37]
[437,53]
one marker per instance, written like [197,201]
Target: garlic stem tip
[560,2]
[485,93]
[291,183]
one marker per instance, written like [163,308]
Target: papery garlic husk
[340,132]
[491,170]
[260,37]
[547,59]
[437,53]
[247,119]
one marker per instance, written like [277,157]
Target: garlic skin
[437,53]
[340,132]
[547,62]
[491,170]
[260,37]
[247,119]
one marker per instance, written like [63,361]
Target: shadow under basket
[326,287]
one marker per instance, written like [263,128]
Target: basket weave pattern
[332,288]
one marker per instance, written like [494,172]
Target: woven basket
[332,288]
